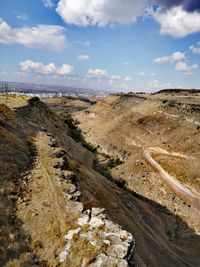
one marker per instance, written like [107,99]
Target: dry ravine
[70,214]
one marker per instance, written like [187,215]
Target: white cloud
[87,43]
[104,77]
[155,84]
[142,74]
[37,67]
[176,56]
[97,73]
[184,68]
[115,77]
[50,37]
[177,22]
[83,57]
[48,3]
[84,43]
[22,17]
[195,48]
[152,74]
[127,78]
[160,60]
[126,63]
[111,82]
[100,12]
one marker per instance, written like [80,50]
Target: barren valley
[101,182]
[126,126]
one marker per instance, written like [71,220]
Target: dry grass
[122,123]
[13,101]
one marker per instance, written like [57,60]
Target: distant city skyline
[129,45]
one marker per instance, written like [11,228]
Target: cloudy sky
[128,45]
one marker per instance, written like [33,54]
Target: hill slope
[61,182]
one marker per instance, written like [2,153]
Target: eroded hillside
[158,231]
[53,210]
[125,126]
[43,219]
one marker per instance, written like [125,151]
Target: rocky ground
[47,210]
[123,126]
[53,215]
[58,210]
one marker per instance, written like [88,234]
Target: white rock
[97,211]
[76,195]
[67,175]
[94,242]
[75,206]
[111,238]
[117,251]
[68,196]
[88,235]
[71,233]
[107,242]
[96,222]
[84,219]
[100,261]
[71,188]
[116,262]
[65,253]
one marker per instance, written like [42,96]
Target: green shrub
[113,162]
[90,147]
[75,132]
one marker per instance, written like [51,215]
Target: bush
[75,132]
[72,124]
[90,147]
[69,120]
[114,162]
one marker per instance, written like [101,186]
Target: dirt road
[186,193]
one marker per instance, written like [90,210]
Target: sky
[118,45]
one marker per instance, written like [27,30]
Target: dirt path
[186,193]
[43,209]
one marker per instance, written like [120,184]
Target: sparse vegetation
[90,147]
[76,133]
[113,162]
[69,120]
[74,130]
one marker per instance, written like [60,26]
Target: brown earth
[15,158]
[162,238]
[43,209]
[125,125]
[68,104]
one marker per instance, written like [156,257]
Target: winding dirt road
[184,192]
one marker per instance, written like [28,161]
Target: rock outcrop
[94,240]
[103,242]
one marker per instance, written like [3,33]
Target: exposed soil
[162,238]
[124,126]
[43,208]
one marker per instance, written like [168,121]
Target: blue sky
[129,46]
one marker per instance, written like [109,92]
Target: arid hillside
[60,202]
[125,126]
[16,157]
[43,219]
